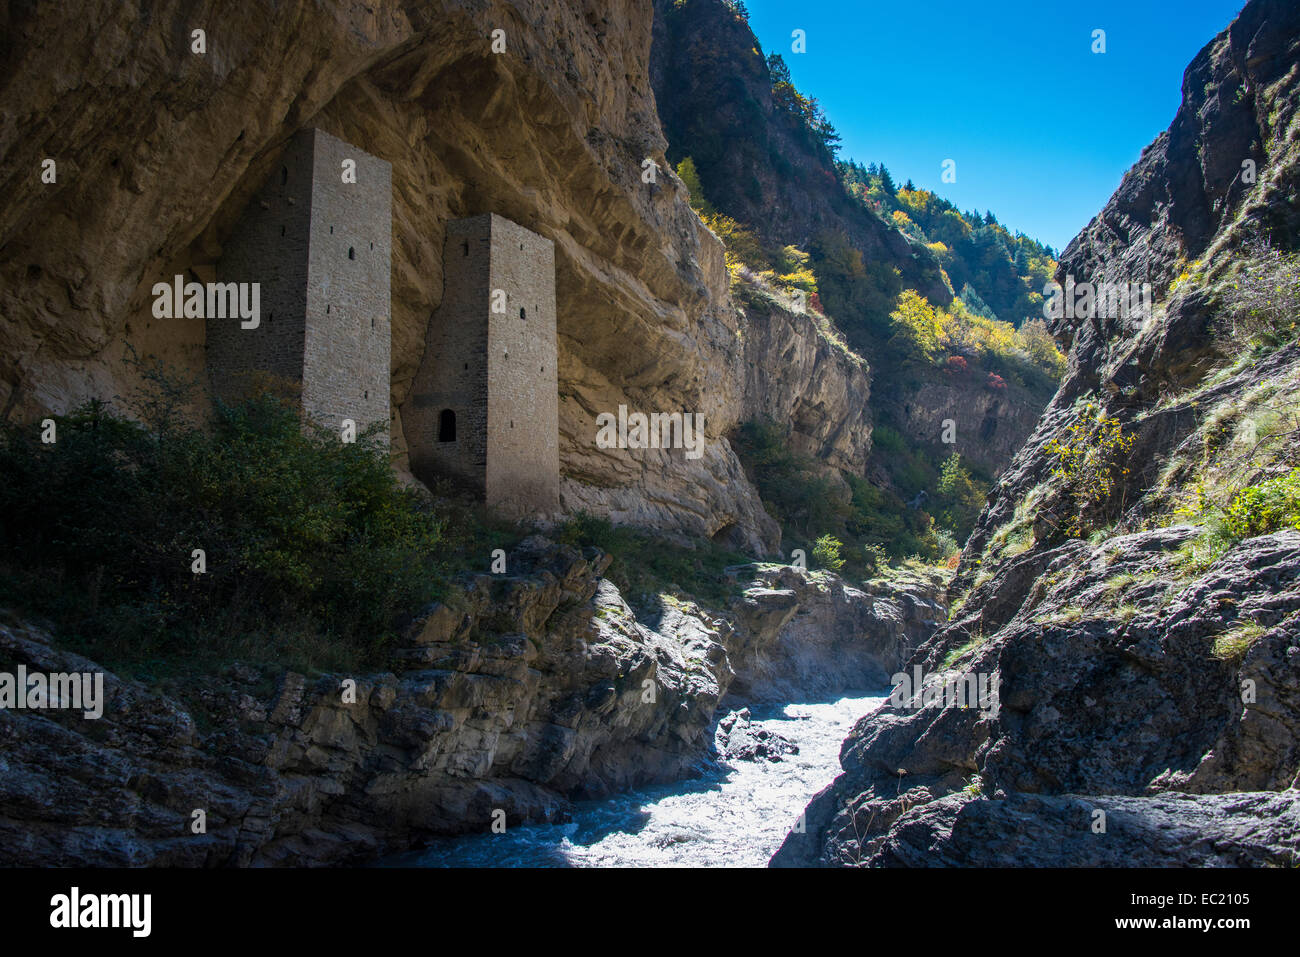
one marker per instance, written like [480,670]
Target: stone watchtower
[484,408]
[321,248]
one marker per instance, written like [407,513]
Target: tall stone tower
[484,408]
[320,245]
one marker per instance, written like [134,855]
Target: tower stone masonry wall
[494,370]
[523,463]
[269,245]
[453,374]
[321,248]
[484,408]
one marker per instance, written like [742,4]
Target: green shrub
[875,558]
[1261,305]
[886,439]
[947,543]
[303,537]
[1266,507]
[1091,461]
[958,499]
[690,177]
[827,553]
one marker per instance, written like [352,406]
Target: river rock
[739,739]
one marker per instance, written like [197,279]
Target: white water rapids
[736,815]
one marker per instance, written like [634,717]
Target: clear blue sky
[1041,128]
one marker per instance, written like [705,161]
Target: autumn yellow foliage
[936,333]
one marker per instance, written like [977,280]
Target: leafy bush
[1262,304]
[742,245]
[1089,461]
[935,335]
[1263,508]
[949,547]
[887,439]
[875,558]
[1034,338]
[958,500]
[919,325]
[793,271]
[304,536]
[827,553]
[690,176]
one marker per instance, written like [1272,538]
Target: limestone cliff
[758,164]
[158,149]
[1150,698]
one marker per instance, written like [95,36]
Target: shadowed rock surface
[1033,830]
[519,693]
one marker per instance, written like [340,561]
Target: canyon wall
[759,164]
[1149,706]
[159,149]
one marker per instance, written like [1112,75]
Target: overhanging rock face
[551,135]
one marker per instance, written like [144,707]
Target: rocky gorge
[1148,659]
[515,696]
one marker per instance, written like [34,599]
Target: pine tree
[780,73]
